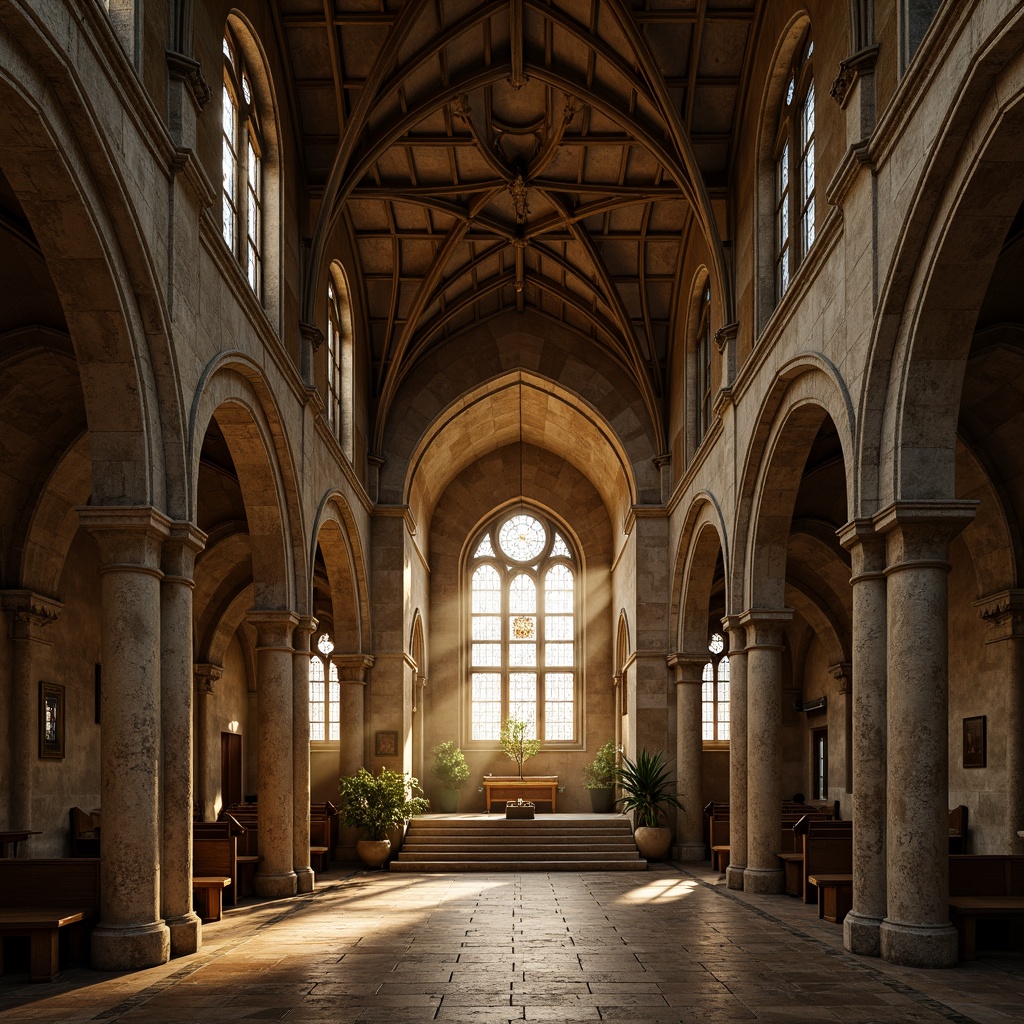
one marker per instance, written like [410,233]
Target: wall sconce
[233,726]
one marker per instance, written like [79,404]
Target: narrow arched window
[715,693]
[523,648]
[333,359]
[241,165]
[324,695]
[703,364]
[340,355]
[794,169]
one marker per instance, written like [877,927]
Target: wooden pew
[826,849]
[84,832]
[958,829]
[720,842]
[39,899]
[983,887]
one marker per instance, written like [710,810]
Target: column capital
[352,668]
[274,628]
[29,611]
[205,676]
[1004,613]
[181,546]
[918,533]
[866,547]
[617,680]
[737,634]
[842,673]
[765,626]
[689,668]
[304,630]
[130,537]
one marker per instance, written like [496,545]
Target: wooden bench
[43,900]
[826,848]
[983,887]
[542,788]
[958,829]
[719,838]
[835,895]
[209,895]
[84,832]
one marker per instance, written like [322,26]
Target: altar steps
[546,843]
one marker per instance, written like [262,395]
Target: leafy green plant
[600,773]
[378,803]
[646,784]
[450,768]
[515,743]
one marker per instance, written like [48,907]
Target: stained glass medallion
[522,538]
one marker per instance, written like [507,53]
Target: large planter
[653,843]
[448,801]
[373,852]
[602,801]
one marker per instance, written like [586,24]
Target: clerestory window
[715,693]
[703,364]
[241,165]
[794,170]
[324,695]
[523,647]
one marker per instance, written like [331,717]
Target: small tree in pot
[599,778]
[377,804]
[451,770]
[646,785]
[515,743]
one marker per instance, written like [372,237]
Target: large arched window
[339,360]
[794,169]
[324,695]
[523,660]
[241,165]
[715,694]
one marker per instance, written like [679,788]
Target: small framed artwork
[386,745]
[974,742]
[51,720]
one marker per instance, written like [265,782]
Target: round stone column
[737,752]
[179,554]
[763,873]
[29,613]
[1004,613]
[131,933]
[689,756]
[275,667]
[205,676]
[916,931]
[300,754]
[867,551]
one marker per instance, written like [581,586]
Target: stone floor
[669,944]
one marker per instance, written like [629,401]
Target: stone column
[737,751]
[419,688]
[1004,612]
[867,551]
[916,931]
[30,613]
[131,933]
[617,688]
[689,756]
[300,754]
[275,875]
[206,676]
[765,630]
[352,669]
[179,555]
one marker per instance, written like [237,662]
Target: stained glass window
[522,646]
[715,692]
[324,695]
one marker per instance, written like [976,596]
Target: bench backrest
[719,834]
[216,856]
[57,882]
[972,874]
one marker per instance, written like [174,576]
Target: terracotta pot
[653,843]
[373,852]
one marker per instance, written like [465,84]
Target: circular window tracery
[522,538]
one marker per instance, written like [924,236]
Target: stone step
[520,855]
[482,848]
[503,867]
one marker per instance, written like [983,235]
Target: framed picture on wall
[51,720]
[974,742]
[386,745]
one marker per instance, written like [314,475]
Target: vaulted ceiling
[517,154]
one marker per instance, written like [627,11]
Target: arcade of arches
[716,302]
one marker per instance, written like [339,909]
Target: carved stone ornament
[311,335]
[188,70]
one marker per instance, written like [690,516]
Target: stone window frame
[339,392]
[508,570]
[714,664]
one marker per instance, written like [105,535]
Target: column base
[186,934]
[860,934]
[734,876]
[306,880]
[764,881]
[275,887]
[130,947]
[918,945]
[688,851]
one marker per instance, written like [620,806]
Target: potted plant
[599,778]
[377,804]
[451,770]
[646,785]
[515,743]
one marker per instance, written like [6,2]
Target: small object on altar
[520,808]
